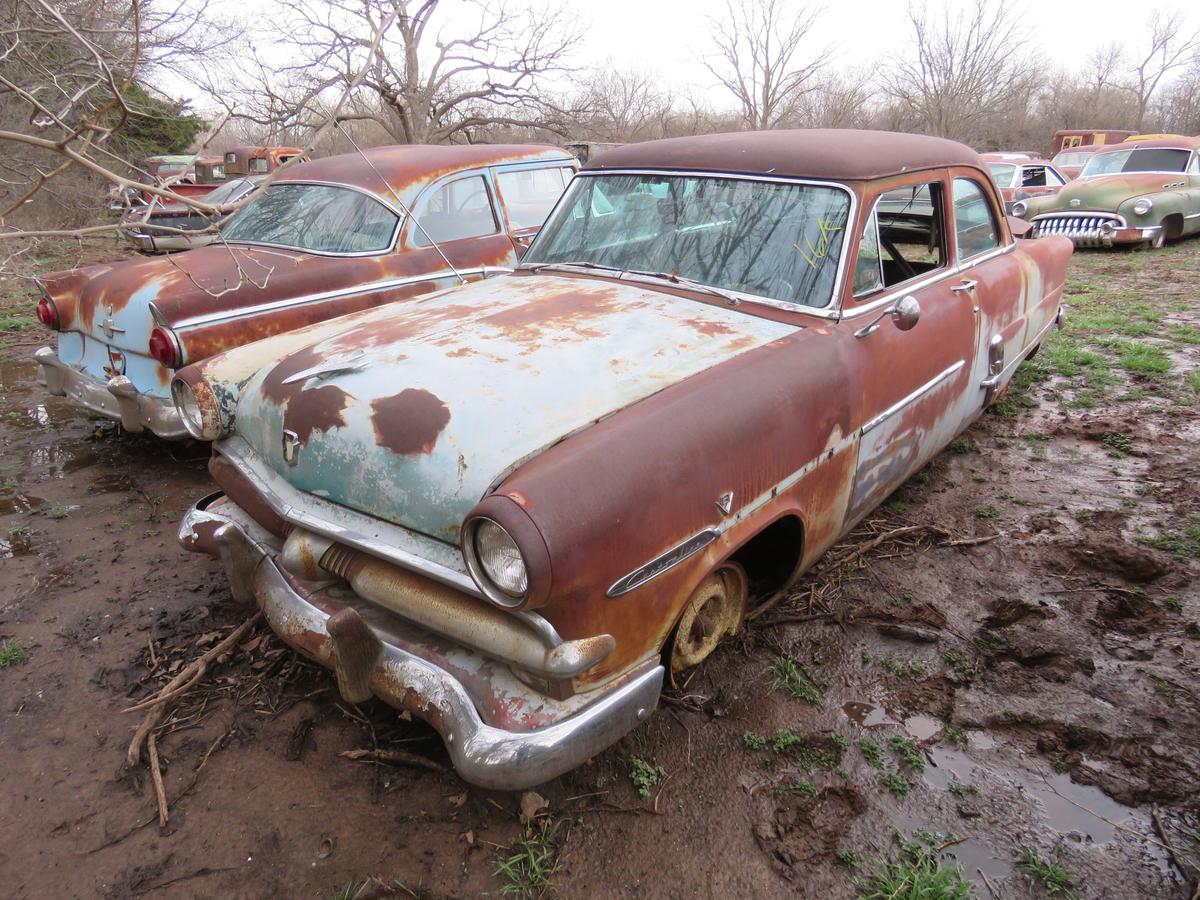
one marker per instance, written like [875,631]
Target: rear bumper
[374,652]
[166,242]
[116,398]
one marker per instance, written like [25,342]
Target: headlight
[198,408]
[496,563]
[1018,208]
[1143,206]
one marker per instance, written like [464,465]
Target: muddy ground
[1038,688]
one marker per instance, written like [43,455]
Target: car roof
[1174,143]
[409,167]
[820,153]
[1009,160]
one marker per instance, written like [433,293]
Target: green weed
[13,653]
[1052,878]
[791,677]
[895,784]
[986,512]
[917,874]
[528,869]
[644,776]
[872,752]
[909,752]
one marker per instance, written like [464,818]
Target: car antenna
[403,207]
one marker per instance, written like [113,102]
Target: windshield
[1002,173]
[1071,158]
[320,218]
[776,240]
[229,191]
[1158,159]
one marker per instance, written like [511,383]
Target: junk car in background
[328,238]
[259,160]
[157,229]
[1020,176]
[1143,192]
[513,508]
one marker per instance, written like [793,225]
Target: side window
[1033,176]
[530,194]
[455,210]
[258,165]
[868,270]
[911,232]
[1053,179]
[974,224]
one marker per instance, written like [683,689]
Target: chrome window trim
[831,310]
[973,261]
[369,287]
[390,248]
[487,173]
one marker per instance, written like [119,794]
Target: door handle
[965,287]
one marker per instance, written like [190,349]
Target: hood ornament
[1076,201]
[725,503]
[352,363]
[291,447]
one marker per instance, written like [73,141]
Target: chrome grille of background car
[1084,229]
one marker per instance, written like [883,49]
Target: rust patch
[315,410]
[710,328]
[409,422]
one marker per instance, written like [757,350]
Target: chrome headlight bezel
[1142,205]
[1020,208]
[511,596]
[198,409]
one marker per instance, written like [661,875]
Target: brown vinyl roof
[1175,143]
[834,154]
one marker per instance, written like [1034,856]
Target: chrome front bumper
[374,652]
[116,399]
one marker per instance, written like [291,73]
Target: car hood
[411,412]
[1108,192]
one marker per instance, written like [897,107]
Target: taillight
[164,347]
[47,313]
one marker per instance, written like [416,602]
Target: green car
[1146,193]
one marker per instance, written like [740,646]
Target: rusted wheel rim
[714,611]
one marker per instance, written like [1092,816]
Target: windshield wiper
[537,267]
[674,278]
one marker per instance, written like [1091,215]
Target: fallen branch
[188,676]
[394,757]
[1162,832]
[156,776]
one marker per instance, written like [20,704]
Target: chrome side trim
[368,288]
[911,398]
[661,563]
[973,261]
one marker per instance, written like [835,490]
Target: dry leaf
[207,638]
[458,799]
[469,837]
[531,804]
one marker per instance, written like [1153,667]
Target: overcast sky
[669,37]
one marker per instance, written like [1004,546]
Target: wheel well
[1173,225]
[772,556]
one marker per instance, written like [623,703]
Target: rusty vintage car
[248,160]
[1020,176]
[330,237]
[170,227]
[1136,192]
[511,509]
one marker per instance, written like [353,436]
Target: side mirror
[906,313]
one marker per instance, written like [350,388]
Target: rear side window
[974,224]
[910,232]
[455,210]
[1033,176]
[530,194]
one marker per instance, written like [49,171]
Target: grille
[1083,229]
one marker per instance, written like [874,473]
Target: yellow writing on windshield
[821,250]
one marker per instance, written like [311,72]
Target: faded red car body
[1023,175]
[258,160]
[210,299]
[647,485]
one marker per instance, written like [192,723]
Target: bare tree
[965,68]
[761,57]
[1172,46]
[436,78]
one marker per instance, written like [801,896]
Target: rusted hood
[410,412]
[1107,192]
[205,281]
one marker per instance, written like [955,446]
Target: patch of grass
[895,784]
[531,864]
[1120,444]
[802,750]
[963,445]
[847,859]
[1052,878]
[13,653]
[895,507]
[1168,689]
[958,661]
[1143,359]
[1191,380]
[917,874]
[872,752]
[986,512]
[792,678]
[1172,604]
[59,512]
[12,323]
[20,531]
[644,776]
[956,737]
[752,740]
[903,668]
[909,753]
[796,786]
[960,790]
[1183,544]
[1184,333]
[1036,437]
[351,890]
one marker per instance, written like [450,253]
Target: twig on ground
[1162,832]
[394,757]
[991,887]
[160,793]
